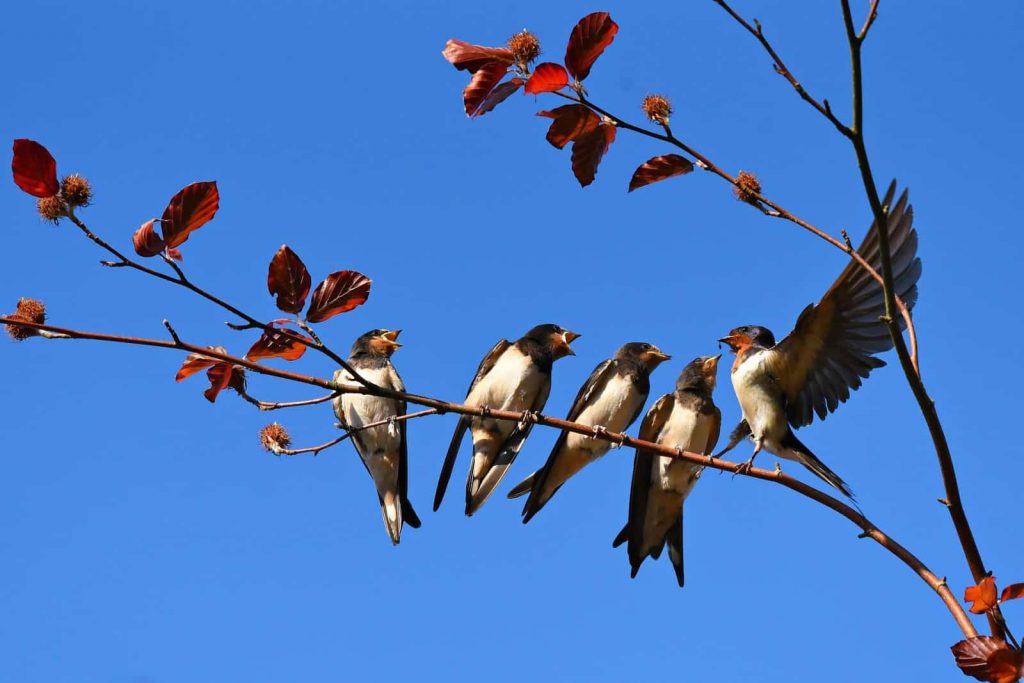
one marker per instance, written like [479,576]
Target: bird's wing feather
[831,349]
[715,432]
[486,365]
[640,488]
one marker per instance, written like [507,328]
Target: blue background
[147,537]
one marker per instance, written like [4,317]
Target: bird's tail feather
[809,460]
[523,487]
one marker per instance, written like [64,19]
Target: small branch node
[170,330]
[942,501]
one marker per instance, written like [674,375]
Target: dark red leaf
[175,254]
[982,596]
[338,293]
[466,57]
[288,280]
[547,77]
[145,240]
[277,345]
[34,169]
[480,86]
[196,362]
[988,659]
[587,151]
[659,168]
[570,122]
[587,41]
[1012,592]
[499,95]
[188,211]
[220,377]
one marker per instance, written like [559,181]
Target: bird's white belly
[357,410]
[688,430]
[758,400]
[612,409]
[512,384]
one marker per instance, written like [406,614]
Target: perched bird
[686,419]
[611,400]
[515,377]
[781,386]
[382,448]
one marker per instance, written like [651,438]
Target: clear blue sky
[147,538]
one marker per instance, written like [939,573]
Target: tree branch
[925,403]
[315,450]
[869,529]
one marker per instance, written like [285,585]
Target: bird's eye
[647,347]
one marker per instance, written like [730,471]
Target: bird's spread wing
[833,344]
[486,365]
[640,487]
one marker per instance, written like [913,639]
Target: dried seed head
[747,185]
[525,48]
[29,310]
[658,108]
[76,190]
[274,438]
[52,208]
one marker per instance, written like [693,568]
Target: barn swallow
[830,350]
[686,419]
[512,376]
[383,449]
[611,399]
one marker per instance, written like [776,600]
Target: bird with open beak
[383,448]
[686,419]
[780,387]
[514,377]
[611,399]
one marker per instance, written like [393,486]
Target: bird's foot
[392,426]
[744,468]
[528,417]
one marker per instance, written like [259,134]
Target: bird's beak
[731,340]
[389,338]
[659,356]
[567,339]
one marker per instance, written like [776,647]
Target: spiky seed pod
[275,438]
[76,190]
[52,209]
[658,108]
[29,310]
[525,48]
[747,187]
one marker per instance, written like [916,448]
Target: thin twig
[183,281]
[315,450]
[783,70]
[776,211]
[855,516]
[268,405]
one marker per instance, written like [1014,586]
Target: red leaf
[288,280]
[145,240]
[588,150]
[547,77]
[988,659]
[34,169]
[277,345]
[220,377]
[1012,592]
[499,95]
[587,41]
[188,211]
[338,293]
[983,596]
[481,85]
[466,57]
[196,362]
[570,122]
[175,254]
[660,168]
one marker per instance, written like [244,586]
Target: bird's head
[749,335]
[555,338]
[376,344]
[647,355]
[700,374]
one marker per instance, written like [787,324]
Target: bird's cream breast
[512,384]
[756,393]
